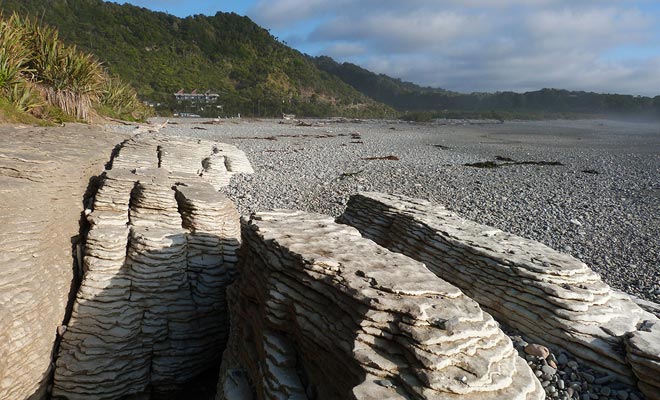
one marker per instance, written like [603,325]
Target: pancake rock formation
[44,173]
[317,311]
[643,347]
[551,297]
[151,309]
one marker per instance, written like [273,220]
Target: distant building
[206,97]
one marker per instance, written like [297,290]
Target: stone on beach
[537,350]
[321,312]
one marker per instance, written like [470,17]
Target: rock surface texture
[551,297]
[44,173]
[318,312]
[643,348]
[151,309]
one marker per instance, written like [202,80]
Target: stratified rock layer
[151,308]
[552,297]
[319,312]
[44,174]
[643,348]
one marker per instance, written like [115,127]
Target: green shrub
[25,97]
[14,54]
[38,70]
[118,95]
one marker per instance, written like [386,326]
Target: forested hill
[226,53]
[406,96]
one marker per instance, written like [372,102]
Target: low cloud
[480,45]
[344,50]
[397,33]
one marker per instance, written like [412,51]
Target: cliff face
[320,312]
[43,179]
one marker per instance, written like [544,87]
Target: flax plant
[119,96]
[14,70]
[14,54]
[25,96]
[68,79]
[73,83]
[37,69]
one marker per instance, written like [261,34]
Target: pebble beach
[587,188]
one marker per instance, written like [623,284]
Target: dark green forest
[426,102]
[257,75]
[228,54]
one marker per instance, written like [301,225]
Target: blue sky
[469,45]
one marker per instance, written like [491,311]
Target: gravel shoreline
[587,188]
[602,205]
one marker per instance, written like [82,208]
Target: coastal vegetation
[160,54]
[252,72]
[41,78]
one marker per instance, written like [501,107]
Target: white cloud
[591,29]
[281,13]
[344,50]
[390,32]
[479,45]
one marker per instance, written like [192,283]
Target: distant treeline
[429,116]
[407,97]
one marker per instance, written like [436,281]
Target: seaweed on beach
[390,158]
[484,164]
[350,174]
[508,162]
[552,163]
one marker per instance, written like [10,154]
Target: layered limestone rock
[214,162]
[44,173]
[643,348]
[552,297]
[319,312]
[151,309]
